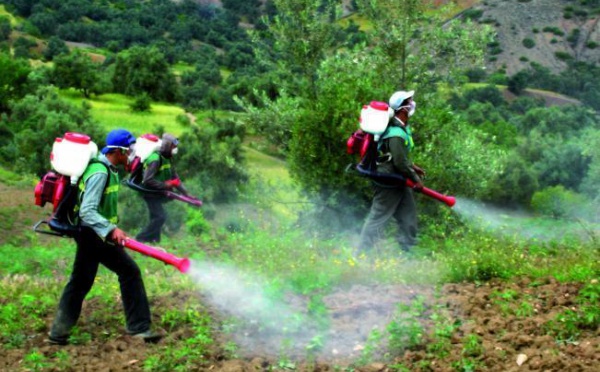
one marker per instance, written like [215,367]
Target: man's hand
[418,186]
[118,236]
[419,170]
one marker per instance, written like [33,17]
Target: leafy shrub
[495,50]
[35,121]
[553,29]
[518,82]
[591,45]
[476,75]
[5,28]
[141,103]
[528,43]
[196,223]
[574,36]
[55,47]
[557,202]
[210,159]
[473,14]
[563,56]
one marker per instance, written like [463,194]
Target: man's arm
[88,212]
[401,162]
[180,187]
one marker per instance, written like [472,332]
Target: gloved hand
[176,182]
[418,170]
[418,186]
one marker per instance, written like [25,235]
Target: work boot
[149,336]
[56,341]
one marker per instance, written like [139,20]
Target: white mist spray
[239,294]
[269,327]
[509,222]
[261,325]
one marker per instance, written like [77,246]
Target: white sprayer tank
[146,145]
[71,154]
[374,117]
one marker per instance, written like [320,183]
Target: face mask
[131,155]
[412,108]
[174,151]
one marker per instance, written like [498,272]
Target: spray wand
[182,264]
[448,200]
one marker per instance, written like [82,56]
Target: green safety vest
[108,204]
[164,170]
[404,133]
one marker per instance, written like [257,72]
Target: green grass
[112,111]
[272,182]
[14,179]
[180,67]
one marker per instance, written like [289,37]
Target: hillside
[548,32]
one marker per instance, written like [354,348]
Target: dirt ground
[506,336]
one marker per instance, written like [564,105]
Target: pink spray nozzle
[182,264]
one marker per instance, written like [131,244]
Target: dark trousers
[158,217]
[388,202]
[92,251]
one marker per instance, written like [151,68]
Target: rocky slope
[548,32]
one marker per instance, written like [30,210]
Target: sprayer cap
[378,105]
[77,138]
[150,137]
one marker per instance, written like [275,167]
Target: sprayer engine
[359,142]
[51,189]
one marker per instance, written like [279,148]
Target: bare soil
[505,334]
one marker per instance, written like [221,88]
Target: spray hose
[169,194]
[448,200]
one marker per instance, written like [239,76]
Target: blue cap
[118,138]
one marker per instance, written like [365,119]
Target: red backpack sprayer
[374,120]
[69,158]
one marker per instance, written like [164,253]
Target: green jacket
[395,145]
[107,205]
[163,173]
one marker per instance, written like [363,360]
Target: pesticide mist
[239,294]
[516,223]
[332,327]
[255,318]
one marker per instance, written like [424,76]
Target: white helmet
[398,97]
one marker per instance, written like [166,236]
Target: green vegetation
[554,30]
[114,111]
[528,43]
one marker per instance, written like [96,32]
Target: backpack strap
[397,131]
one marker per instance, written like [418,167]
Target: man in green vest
[100,242]
[391,198]
[159,175]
